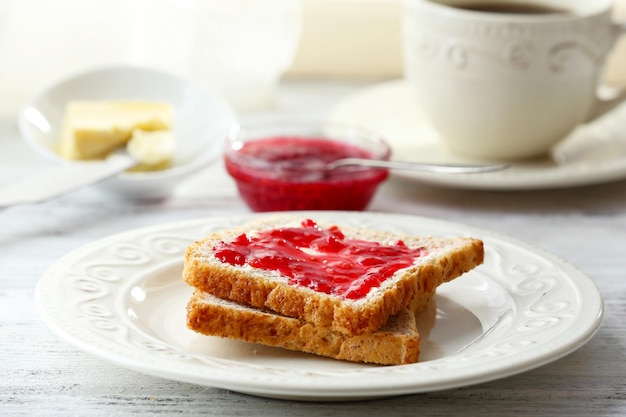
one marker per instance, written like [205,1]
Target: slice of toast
[437,260]
[396,343]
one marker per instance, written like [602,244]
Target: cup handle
[610,97]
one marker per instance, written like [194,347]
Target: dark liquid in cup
[511,8]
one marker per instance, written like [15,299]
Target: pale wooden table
[43,375]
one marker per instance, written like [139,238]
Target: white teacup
[503,85]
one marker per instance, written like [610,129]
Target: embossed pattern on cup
[506,86]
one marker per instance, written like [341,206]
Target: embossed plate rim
[551,327]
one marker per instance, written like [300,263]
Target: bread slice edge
[396,343]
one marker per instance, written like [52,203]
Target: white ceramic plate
[122,299]
[201,121]
[594,153]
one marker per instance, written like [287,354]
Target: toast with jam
[345,280]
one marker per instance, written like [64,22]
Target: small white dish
[594,153]
[123,299]
[201,122]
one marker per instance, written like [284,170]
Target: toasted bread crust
[396,343]
[447,259]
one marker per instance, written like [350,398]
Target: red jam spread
[286,173]
[323,260]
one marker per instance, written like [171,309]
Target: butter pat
[152,149]
[94,129]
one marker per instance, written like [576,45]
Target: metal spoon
[402,165]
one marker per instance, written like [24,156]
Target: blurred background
[217,43]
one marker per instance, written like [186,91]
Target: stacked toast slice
[349,293]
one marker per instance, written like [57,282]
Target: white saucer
[201,121]
[123,299]
[593,154]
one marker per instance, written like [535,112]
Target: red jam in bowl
[323,260]
[287,173]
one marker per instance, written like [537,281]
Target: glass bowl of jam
[280,166]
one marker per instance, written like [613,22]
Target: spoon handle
[401,165]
